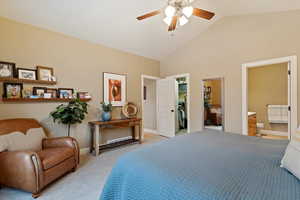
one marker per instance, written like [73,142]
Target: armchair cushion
[54,156]
[32,140]
[63,142]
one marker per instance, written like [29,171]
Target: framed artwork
[39,91]
[13,90]
[65,93]
[28,74]
[45,73]
[53,92]
[7,70]
[114,89]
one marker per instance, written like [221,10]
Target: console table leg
[96,140]
[140,133]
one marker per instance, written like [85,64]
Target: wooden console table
[97,128]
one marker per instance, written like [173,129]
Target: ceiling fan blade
[173,24]
[203,13]
[151,14]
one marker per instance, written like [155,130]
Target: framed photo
[53,92]
[13,90]
[29,74]
[7,70]
[114,89]
[39,91]
[65,93]
[45,73]
[27,92]
[82,95]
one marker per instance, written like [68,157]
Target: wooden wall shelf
[17,80]
[27,100]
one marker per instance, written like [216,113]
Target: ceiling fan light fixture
[170,11]
[188,11]
[183,20]
[168,20]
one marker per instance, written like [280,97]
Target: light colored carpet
[86,183]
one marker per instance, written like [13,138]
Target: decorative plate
[130,110]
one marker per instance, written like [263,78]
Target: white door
[166,104]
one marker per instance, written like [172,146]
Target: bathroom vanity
[252,130]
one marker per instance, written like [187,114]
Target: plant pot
[106,116]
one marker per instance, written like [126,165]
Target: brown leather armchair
[32,171]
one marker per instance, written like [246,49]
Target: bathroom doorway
[275,115]
[213,103]
[268,102]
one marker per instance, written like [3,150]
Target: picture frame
[53,91]
[39,91]
[45,73]
[13,90]
[7,69]
[114,89]
[65,93]
[28,74]
[82,95]
[27,92]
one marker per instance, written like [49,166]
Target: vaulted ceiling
[112,23]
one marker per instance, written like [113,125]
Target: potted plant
[106,111]
[72,113]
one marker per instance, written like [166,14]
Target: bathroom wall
[268,85]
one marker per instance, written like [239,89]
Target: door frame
[143,77]
[222,79]
[292,94]
[187,76]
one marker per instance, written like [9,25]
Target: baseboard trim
[84,151]
[276,133]
[150,131]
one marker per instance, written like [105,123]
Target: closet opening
[181,101]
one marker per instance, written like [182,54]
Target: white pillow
[3,143]
[17,141]
[291,159]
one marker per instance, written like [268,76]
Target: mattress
[207,165]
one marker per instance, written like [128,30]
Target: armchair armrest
[22,170]
[63,142]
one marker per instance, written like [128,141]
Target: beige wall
[224,47]
[77,64]
[216,93]
[267,85]
[149,114]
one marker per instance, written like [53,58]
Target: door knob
[172,111]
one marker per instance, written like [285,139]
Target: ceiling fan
[179,12]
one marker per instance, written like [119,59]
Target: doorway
[181,101]
[269,103]
[166,104]
[213,103]
[149,103]
[268,115]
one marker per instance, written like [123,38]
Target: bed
[204,166]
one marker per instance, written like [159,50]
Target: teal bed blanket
[204,166]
